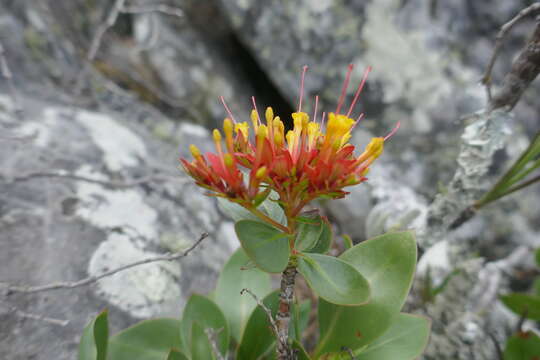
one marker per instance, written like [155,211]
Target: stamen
[227,109]
[255,108]
[304,69]
[315,111]
[344,89]
[322,121]
[394,130]
[364,78]
[357,120]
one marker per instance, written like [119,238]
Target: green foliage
[265,245]
[523,346]
[237,308]
[523,305]
[388,263]
[309,230]
[333,279]
[94,339]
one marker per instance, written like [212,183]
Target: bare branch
[161,8]
[91,279]
[112,184]
[7,74]
[486,78]
[212,338]
[264,307]
[27,315]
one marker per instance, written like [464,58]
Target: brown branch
[8,75]
[91,279]
[212,338]
[283,316]
[107,183]
[524,60]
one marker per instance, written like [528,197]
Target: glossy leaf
[388,262]
[258,338]
[333,279]
[237,308]
[207,314]
[147,340]
[309,230]
[175,354]
[265,245]
[523,346]
[200,345]
[523,305]
[94,340]
[404,340]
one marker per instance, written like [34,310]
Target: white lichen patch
[143,291]
[42,129]
[121,147]
[106,208]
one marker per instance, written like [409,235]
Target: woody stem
[283,318]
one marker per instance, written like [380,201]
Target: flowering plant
[264,180]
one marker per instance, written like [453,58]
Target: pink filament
[322,121]
[359,90]
[316,105]
[304,69]
[227,109]
[394,130]
[257,111]
[357,120]
[344,89]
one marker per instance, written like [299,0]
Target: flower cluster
[309,161]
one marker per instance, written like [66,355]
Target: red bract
[310,161]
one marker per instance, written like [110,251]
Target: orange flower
[310,161]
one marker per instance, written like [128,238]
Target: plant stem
[283,318]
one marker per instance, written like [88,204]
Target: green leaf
[265,245]
[388,262]
[200,345]
[325,239]
[523,346]
[537,257]
[234,211]
[301,353]
[523,305]
[93,345]
[347,242]
[300,319]
[232,280]
[147,340]
[271,207]
[404,340]
[176,354]
[536,286]
[308,232]
[202,310]
[333,279]
[258,338]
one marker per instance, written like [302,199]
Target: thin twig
[264,307]
[486,78]
[91,279]
[27,315]
[8,75]
[108,183]
[212,338]
[496,344]
[161,8]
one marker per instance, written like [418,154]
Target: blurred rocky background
[91,128]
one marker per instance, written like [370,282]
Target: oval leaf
[176,354]
[93,345]
[325,239]
[202,310]
[147,340]
[406,339]
[523,305]
[522,346]
[333,279]
[200,345]
[258,338]
[388,262]
[234,211]
[308,232]
[266,246]
[237,308]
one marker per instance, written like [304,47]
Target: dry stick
[7,74]
[212,338]
[486,78]
[46,319]
[91,279]
[264,307]
[162,8]
[283,316]
[113,184]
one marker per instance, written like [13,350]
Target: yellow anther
[195,151]
[255,119]
[338,125]
[278,138]
[261,172]
[217,135]
[375,147]
[243,128]
[228,127]
[300,119]
[269,115]
[313,128]
[228,159]
[262,132]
